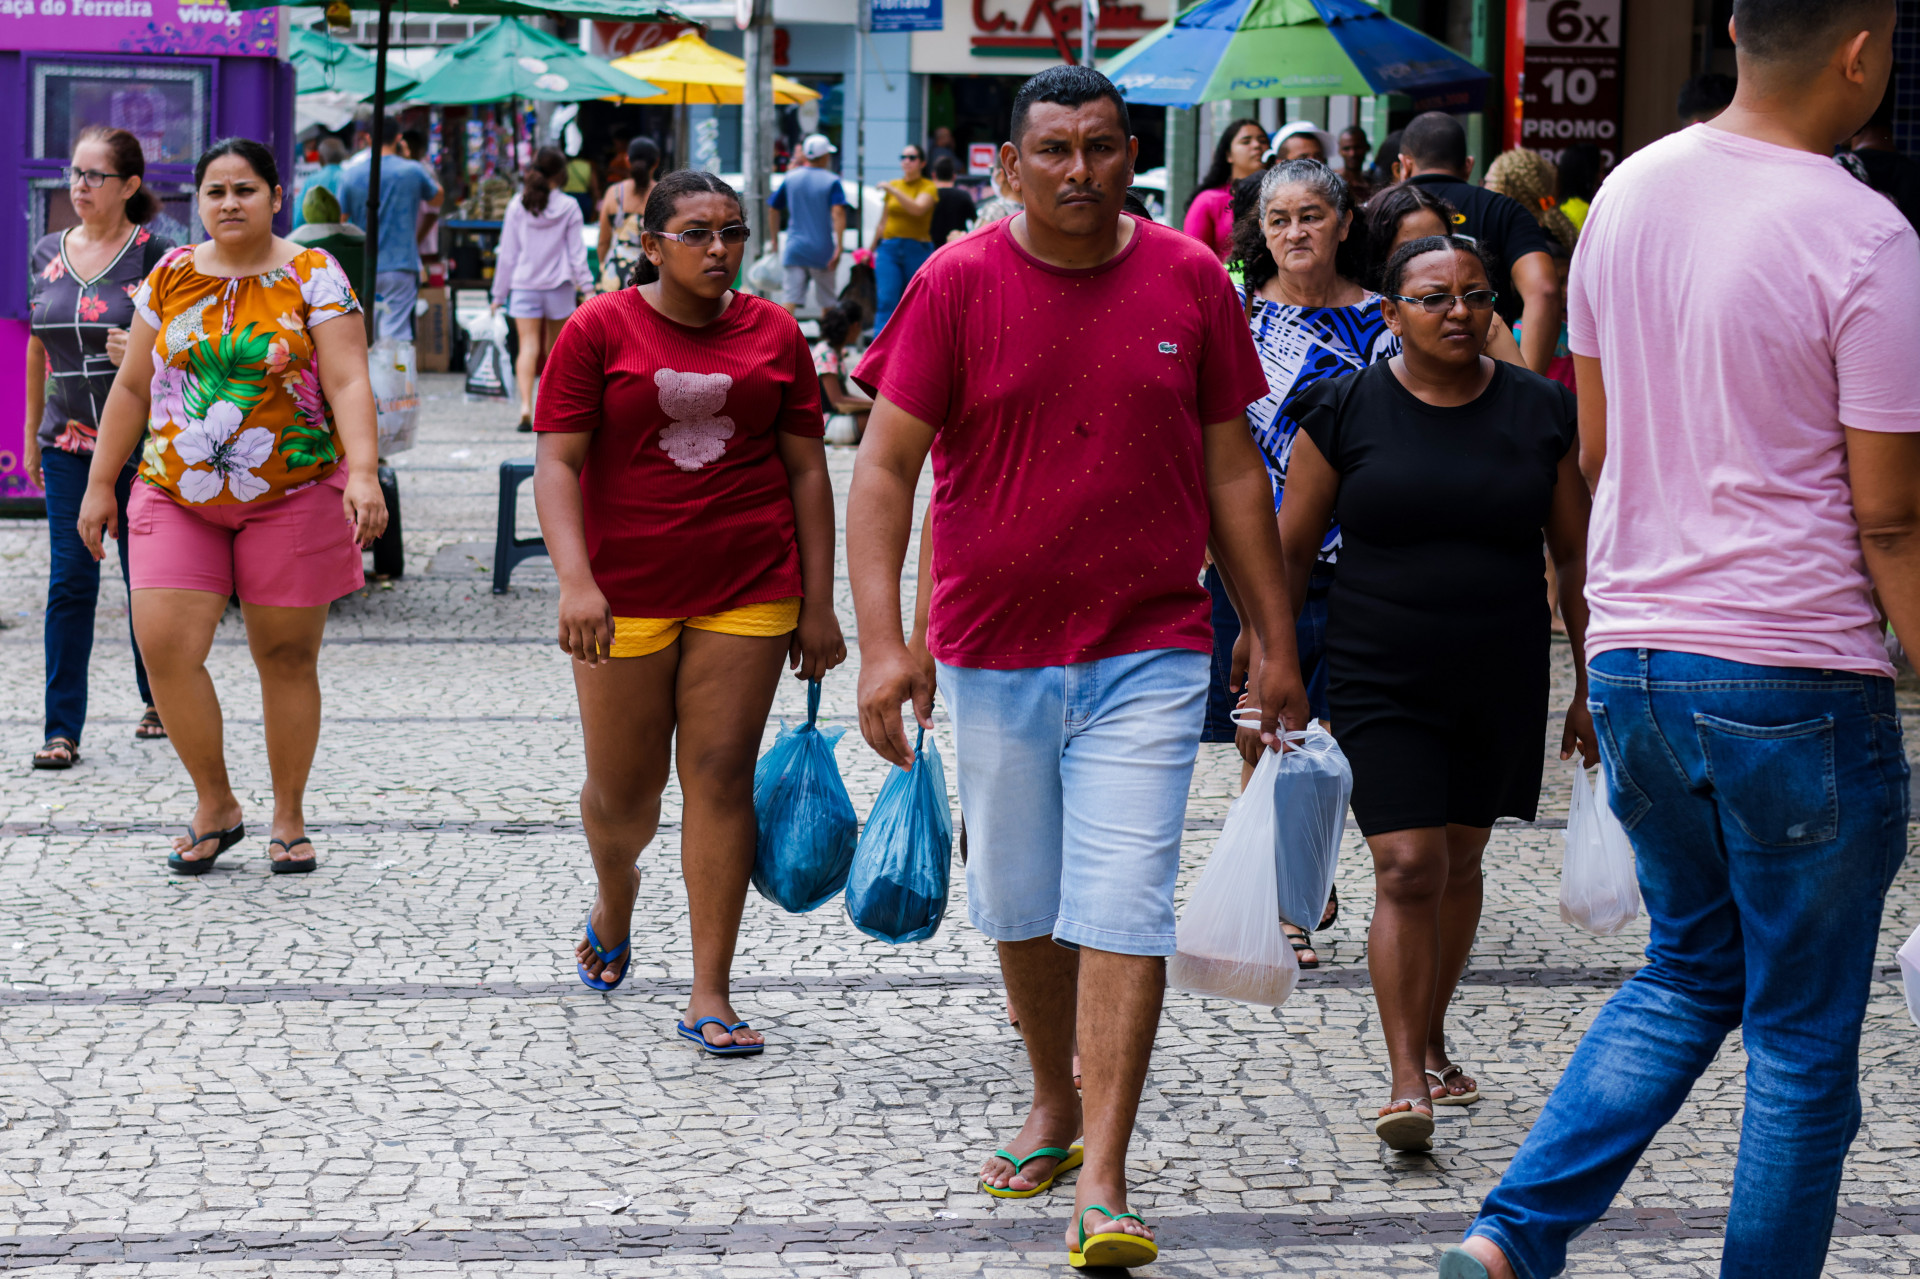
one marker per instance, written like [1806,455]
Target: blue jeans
[1074,781]
[1310,637]
[894,262]
[73,590]
[1768,811]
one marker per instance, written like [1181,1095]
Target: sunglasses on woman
[1441,303]
[700,237]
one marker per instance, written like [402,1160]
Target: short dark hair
[256,155]
[1067,87]
[943,168]
[1435,140]
[1798,31]
[389,130]
[1395,277]
[1710,93]
[1577,176]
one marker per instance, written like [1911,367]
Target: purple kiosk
[176,73]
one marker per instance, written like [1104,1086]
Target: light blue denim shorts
[1073,783]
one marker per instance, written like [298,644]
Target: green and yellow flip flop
[1112,1247]
[1069,1160]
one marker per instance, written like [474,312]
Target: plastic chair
[508,550]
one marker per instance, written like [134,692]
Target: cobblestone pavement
[388,1067]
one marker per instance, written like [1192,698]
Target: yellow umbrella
[691,71]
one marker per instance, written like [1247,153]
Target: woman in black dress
[1446,467]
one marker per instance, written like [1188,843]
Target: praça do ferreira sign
[173,27]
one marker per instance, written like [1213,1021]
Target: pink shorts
[292,551]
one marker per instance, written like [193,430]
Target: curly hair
[1528,177]
[1250,237]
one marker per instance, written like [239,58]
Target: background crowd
[1381,468]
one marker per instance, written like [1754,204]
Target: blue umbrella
[1221,49]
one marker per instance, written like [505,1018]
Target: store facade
[176,73]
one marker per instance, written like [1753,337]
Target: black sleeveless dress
[1438,626]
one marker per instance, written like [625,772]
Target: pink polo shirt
[1746,302]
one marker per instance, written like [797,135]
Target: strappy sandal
[57,753]
[1333,903]
[1446,1098]
[201,865]
[1303,940]
[291,865]
[606,955]
[1410,1129]
[695,1035]
[1112,1247]
[1069,1160]
[149,728]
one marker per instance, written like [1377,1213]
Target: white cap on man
[815,145]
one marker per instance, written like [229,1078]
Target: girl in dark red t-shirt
[683,492]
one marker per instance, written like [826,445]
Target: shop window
[165,107]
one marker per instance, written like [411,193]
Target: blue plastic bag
[898,889]
[807,826]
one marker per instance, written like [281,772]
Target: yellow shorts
[639,636]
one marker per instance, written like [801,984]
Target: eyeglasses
[1441,303]
[700,237]
[92,178]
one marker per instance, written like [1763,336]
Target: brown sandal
[149,726]
[58,752]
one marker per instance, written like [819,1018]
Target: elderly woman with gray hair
[1299,257]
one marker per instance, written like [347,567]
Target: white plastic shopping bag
[1598,891]
[489,372]
[1311,788]
[1910,972]
[396,393]
[1229,941]
[766,275]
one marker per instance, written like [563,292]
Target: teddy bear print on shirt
[699,432]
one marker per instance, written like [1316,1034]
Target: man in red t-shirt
[1081,379]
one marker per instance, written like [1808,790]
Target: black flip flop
[291,865]
[201,865]
[1333,900]
[67,744]
[149,729]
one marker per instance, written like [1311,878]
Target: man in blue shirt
[814,208]
[405,186]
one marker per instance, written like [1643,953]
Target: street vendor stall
[177,74]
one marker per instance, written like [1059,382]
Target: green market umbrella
[513,60]
[326,65]
[1222,49]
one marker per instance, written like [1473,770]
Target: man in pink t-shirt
[1745,317]
[1081,379]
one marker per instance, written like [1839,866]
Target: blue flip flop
[692,1034]
[1458,1263]
[606,957]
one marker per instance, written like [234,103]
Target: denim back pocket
[1622,793]
[1776,783]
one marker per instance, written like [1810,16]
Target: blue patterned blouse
[1301,345]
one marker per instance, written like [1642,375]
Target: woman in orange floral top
[247,366]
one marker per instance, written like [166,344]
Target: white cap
[815,145]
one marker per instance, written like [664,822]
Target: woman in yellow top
[905,239]
[247,366]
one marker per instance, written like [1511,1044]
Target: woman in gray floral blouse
[82,286]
